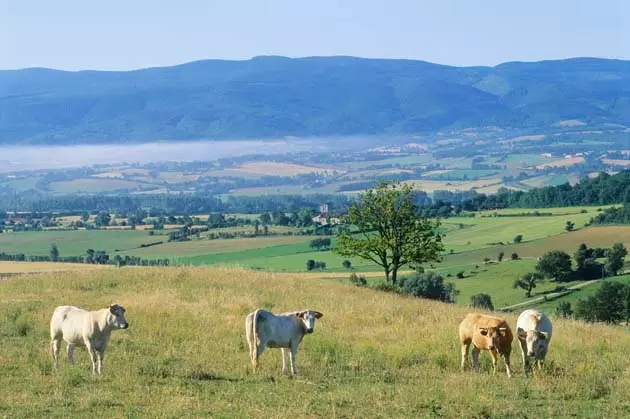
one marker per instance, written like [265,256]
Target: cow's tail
[254,340]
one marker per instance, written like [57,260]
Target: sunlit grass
[372,355]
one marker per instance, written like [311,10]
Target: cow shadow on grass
[209,376]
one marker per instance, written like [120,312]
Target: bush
[346,264]
[514,256]
[518,238]
[564,309]
[358,280]
[310,265]
[460,274]
[481,301]
[500,257]
[429,285]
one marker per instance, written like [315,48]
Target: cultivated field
[372,354]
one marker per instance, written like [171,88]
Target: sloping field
[278,169]
[72,242]
[223,246]
[562,162]
[373,354]
[481,232]
[7,267]
[93,185]
[569,242]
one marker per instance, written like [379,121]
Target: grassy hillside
[372,354]
[316,96]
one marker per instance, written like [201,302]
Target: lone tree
[528,282]
[391,231]
[614,258]
[54,253]
[555,265]
[569,226]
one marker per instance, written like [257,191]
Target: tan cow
[488,333]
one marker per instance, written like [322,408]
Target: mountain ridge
[274,96]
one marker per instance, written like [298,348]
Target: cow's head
[308,319]
[117,317]
[535,341]
[493,336]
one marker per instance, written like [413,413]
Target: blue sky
[128,34]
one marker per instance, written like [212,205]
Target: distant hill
[317,96]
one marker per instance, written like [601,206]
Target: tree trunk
[387,277]
[394,275]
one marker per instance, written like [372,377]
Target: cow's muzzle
[126,325]
[530,353]
[492,347]
[309,330]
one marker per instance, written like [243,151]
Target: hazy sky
[126,34]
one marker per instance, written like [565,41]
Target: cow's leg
[525,357]
[260,348]
[55,347]
[93,356]
[292,353]
[100,355]
[475,358]
[70,350]
[465,347]
[284,360]
[506,360]
[494,356]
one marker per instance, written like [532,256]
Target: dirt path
[550,295]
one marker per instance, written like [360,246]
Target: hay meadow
[373,354]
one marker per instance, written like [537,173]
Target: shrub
[500,257]
[460,274]
[429,285]
[518,238]
[564,309]
[514,256]
[346,264]
[310,265]
[481,301]
[358,280]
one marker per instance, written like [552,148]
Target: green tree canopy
[555,265]
[391,232]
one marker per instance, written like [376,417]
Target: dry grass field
[279,169]
[7,267]
[373,354]
[562,162]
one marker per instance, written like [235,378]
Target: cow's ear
[318,315]
[112,308]
[502,331]
[542,335]
[484,331]
[521,333]
[301,314]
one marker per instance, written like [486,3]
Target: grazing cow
[533,329]
[488,333]
[85,328]
[285,331]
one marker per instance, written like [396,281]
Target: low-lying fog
[19,158]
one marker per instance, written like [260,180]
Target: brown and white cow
[488,333]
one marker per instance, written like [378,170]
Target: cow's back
[67,322]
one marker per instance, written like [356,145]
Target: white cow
[285,331]
[534,334]
[85,328]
